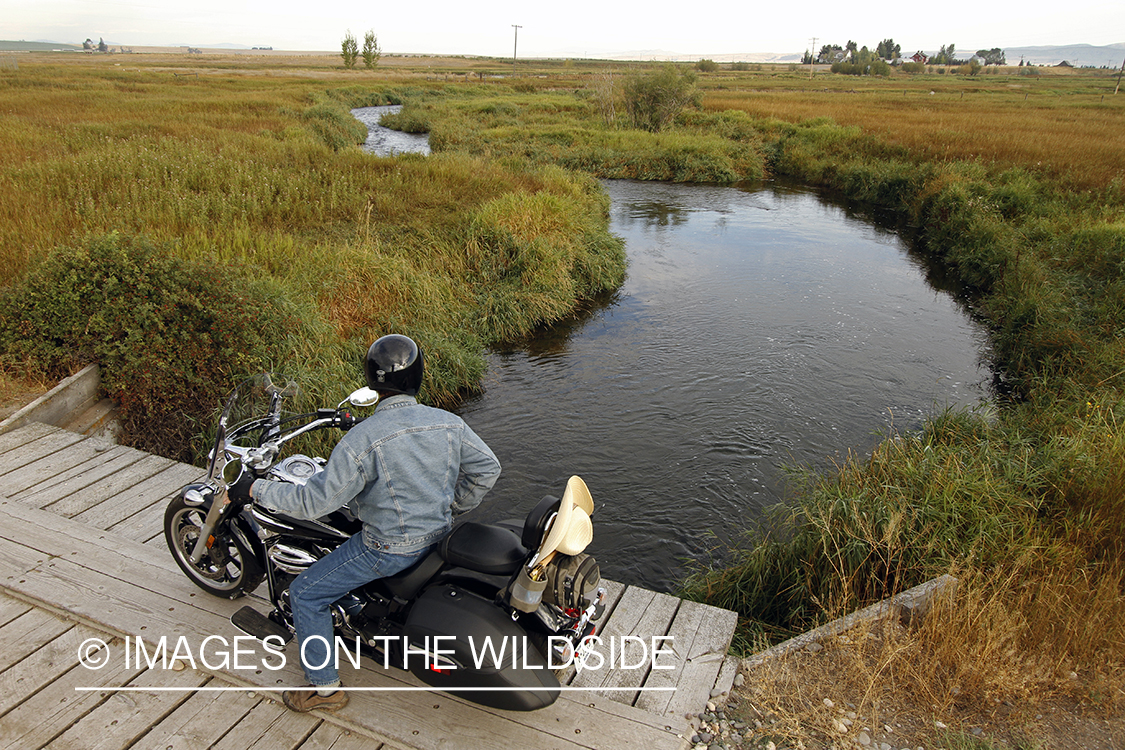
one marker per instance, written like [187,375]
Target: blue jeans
[312,593]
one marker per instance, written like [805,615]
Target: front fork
[219,504]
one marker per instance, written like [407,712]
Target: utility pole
[1118,88]
[515,44]
[812,58]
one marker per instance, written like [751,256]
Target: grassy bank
[141,205]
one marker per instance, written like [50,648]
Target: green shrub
[654,98]
[171,335]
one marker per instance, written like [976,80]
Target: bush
[653,99]
[706,66]
[170,334]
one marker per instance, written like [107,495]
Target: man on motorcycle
[404,471]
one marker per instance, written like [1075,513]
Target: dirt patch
[860,690]
[17,392]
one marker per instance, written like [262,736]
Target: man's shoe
[310,700]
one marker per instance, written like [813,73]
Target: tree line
[888,51]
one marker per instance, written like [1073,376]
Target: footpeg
[252,622]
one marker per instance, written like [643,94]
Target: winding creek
[759,328]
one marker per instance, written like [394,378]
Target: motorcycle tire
[228,569]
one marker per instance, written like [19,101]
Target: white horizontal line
[251,688]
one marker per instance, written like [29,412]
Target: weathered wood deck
[82,556]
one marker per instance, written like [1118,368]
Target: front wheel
[227,569]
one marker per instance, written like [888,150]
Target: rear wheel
[226,569]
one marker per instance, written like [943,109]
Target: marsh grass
[260,176]
[1012,644]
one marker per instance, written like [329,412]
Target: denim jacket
[405,471]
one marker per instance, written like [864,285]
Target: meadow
[239,174]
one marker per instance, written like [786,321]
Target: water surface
[757,329]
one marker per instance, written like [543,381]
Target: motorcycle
[484,587]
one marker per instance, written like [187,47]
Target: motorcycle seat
[483,548]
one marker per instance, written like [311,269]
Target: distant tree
[88,44]
[806,59]
[370,50]
[944,56]
[102,46]
[851,48]
[994,56]
[706,66]
[888,50]
[653,99]
[349,50]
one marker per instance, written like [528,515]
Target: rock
[839,726]
[814,648]
[828,703]
[940,725]
[739,680]
[864,739]
[706,737]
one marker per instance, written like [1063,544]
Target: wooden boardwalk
[82,557]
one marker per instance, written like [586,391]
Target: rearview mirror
[363,397]
[232,470]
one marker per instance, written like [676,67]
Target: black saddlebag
[484,634]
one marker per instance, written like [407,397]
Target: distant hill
[22,46]
[1078,55]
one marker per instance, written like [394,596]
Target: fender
[245,530]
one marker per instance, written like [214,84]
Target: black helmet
[394,365]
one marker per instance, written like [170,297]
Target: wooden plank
[36,449]
[156,489]
[118,596]
[269,726]
[201,720]
[24,435]
[55,536]
[331,737]
[641,613]
[702,639]
[11,608]
[79,477]
[51,711]
[392,716]
[125,716]
[115,484]
[148,522]
[613,592]
[27,633]
[43,469]
[42,667]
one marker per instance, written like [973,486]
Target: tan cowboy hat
[572,530]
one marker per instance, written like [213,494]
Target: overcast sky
[573,29]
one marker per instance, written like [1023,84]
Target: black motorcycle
[484,588]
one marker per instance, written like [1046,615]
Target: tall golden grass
[1068,128]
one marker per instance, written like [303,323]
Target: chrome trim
[290,559]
